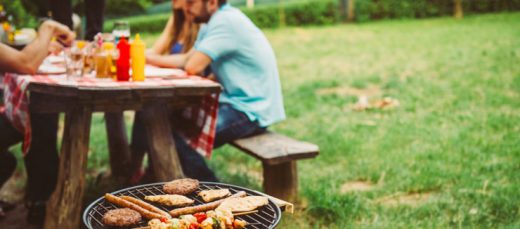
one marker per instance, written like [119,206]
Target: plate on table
[53,59]
[50,69]
[150,71]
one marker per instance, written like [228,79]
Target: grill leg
[281,180]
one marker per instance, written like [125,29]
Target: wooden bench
[278,154]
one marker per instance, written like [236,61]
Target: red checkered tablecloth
[202,116]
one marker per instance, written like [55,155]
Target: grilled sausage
[146,206]
[203,207]
[127,204]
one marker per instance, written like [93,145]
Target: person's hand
[55,48]
[60,31]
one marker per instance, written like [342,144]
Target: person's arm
[197,63]
[162,43]
[219,41]
[193,62]
[30,58]
[169,61]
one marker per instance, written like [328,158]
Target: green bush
[264,16]
[296,14]
[320,12]
[140,24]
[323,12]
[376,9]
[312,13]
[126,7]
[18,9]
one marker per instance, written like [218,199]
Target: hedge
[145,23]
[296,14]
[383,9]
[20,11]
[322,12]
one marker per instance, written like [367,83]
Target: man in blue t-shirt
[243,62]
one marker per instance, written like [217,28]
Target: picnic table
[79,99]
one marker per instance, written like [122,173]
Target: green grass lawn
[447,157]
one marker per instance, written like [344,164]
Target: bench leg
[281,180]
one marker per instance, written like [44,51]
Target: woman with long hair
[175,42]
[177,38]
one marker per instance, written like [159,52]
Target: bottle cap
[137,40]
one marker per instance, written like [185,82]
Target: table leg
[64,206]
[118,144]
[166,164]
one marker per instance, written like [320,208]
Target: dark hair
[220,2]
[178,23]
[189,33]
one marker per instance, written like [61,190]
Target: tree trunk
[351,10]
[458,11]
[343,9]
[281,14]
[250,4]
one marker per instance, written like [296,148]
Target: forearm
[34,53]
[169,61]
[26,61]
[11,60]
[197,63]
[29,59]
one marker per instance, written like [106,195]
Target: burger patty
[121,217]
[181,186]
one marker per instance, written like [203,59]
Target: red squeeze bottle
[123,63]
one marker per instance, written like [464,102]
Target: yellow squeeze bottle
[137,49]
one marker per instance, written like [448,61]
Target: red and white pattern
[202,116]
[204,119]
[16,107]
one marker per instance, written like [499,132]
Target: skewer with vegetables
[218,219]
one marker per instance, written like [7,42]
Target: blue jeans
[231,125]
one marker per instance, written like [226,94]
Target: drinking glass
[74,62]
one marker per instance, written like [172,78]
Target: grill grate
[266,217]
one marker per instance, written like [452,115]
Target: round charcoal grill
[267,216]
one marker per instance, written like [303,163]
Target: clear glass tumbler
[74,62]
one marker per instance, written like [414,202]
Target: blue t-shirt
[244,63]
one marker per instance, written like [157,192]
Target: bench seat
[278,154]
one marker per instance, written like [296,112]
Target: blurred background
[415,105]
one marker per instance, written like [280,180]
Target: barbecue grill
[267,216]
